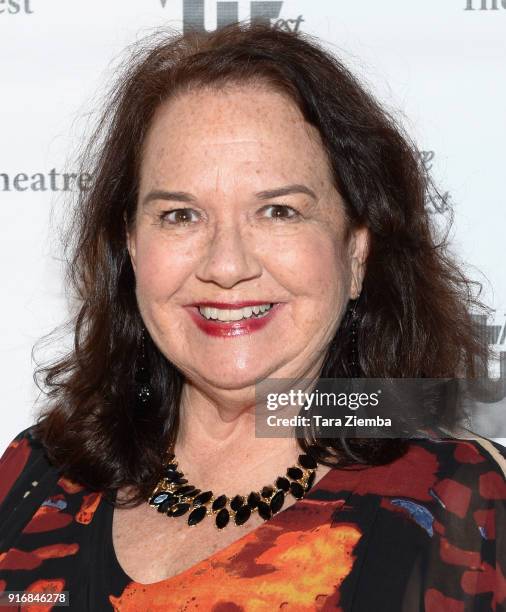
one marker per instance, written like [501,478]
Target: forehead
[249,129]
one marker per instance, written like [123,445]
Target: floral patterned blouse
[426,532]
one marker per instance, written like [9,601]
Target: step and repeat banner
[438,66]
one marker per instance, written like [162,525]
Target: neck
[217,446]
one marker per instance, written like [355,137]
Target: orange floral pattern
[292,570]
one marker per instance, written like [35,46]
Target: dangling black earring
[353,360]
[143,389]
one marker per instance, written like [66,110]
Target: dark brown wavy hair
[415,306]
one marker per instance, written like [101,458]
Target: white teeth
[247,312]
[234,315]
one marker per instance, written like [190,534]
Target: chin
[233,380]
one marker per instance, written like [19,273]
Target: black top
[424,533]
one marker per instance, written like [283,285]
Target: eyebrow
[175,196]
[183,196]
[282,191]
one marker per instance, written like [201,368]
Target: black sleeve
[26,476]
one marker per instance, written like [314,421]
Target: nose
[230,256]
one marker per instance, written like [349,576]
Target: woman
[254,214]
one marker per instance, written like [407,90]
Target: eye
[177,216]
[281,212]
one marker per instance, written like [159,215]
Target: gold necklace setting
[174,496]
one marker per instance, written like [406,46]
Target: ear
[130,242]
[358,251]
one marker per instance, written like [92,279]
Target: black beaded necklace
[174,496]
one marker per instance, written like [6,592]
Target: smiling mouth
[222,315]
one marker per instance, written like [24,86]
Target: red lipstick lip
[233,328]
[229,305]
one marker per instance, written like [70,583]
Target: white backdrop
[439,65]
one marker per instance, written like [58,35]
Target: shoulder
[455,453]
[20,458]
[467,468]
[457,473]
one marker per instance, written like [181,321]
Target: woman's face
[236,206]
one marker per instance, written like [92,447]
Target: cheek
[161,268]
[315,265]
